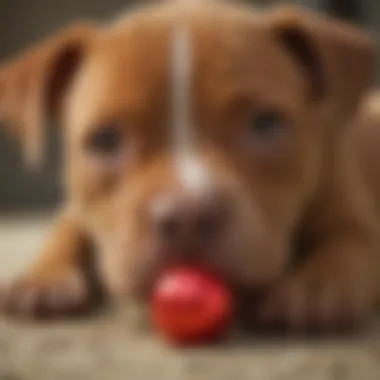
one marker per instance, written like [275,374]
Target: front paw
[316,302]
[53,293]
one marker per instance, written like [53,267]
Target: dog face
[195,133]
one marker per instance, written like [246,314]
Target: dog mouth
[217,262]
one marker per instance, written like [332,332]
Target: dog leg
[336,288]
[55,285]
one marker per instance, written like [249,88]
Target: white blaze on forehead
[190,170]
[181,77]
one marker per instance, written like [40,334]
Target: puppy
[207,133]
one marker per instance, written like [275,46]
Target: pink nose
[181,218]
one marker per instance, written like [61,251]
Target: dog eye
[266,125]
[105,140]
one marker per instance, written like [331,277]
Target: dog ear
[33,84]
[337,59]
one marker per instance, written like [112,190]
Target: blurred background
[23,22]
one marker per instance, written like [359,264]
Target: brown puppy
[208,133]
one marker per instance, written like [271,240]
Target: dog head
[193,131]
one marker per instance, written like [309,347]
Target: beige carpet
[107,348]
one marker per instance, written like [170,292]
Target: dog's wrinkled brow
[190,170]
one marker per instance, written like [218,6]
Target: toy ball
[190,305]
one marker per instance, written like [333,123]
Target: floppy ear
[33,84]
[337,59]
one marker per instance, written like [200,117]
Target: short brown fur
[314,188]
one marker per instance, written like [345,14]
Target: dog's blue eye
[266,125]
[105,140]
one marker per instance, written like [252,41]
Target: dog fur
[305,199]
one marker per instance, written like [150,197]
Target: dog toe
[40,298]
[308,306]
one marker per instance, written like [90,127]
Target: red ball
[190,306]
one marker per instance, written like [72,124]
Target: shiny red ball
[190,306]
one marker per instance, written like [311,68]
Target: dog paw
[58,294]
[315,304]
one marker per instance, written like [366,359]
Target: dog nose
[180,218]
